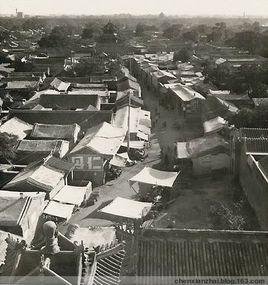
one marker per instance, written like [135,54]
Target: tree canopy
[7,146]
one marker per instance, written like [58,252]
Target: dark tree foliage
[32,23]
[251,118]
[173,31]
[4,35]
[87,32]
[109,28]
[246,40]
[58,37]
[142,28]
[183,55]
[190,36]
[7,146]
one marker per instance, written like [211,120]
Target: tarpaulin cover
[59,210]
[71,195]
[127,208]
[155,177]
[118,161]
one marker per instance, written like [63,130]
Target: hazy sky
[171,7]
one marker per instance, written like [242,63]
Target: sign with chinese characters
[87,162]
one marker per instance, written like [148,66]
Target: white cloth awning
[127,208]
[55,209]
[118,161]
[134,144]
[142,136]
[155,177]
[71,195]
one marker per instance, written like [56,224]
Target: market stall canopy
[118,161]
[155,177]
[127,208]
[59,210]
[72,195]
[134,144]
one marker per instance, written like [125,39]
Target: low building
[48,175]
[98,146]
[85,118]
[183,99]
[70,102]
[16,127]
[214,125]
[136,120]
[20,212]
[126,83]
[58,260]
[162,254]
[56,132]
[253,176]
[29,151]
[204,155]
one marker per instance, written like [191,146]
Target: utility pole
[128,123]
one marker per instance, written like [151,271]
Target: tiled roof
[253,133]
[109,266]
[256,145]
[193,255]
[69,132]
[263,164]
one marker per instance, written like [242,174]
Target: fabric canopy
[155,177]
[134,144]
[59,210]
[127,208]
[71,195]
[118,161]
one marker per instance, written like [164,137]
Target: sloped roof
[29,151]
[72,195]
[220,61]
[214,125]
[59,210]
[41,145]
[42,176]
[126,83]
[14,206]
[4,67]
[263,165]
[201,253]
[121,118]
[104,139]
[4,236]
[69,132]
[127,208]
[253,132]
[89,92]
[17,127]
[256,145]
[260,101]
[22,84]
[125,97]
[155,177]
[185,93]
[60,85]
[161,73]
[201,146]
[67,101]
[84,118]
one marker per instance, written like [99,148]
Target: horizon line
[139,15]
